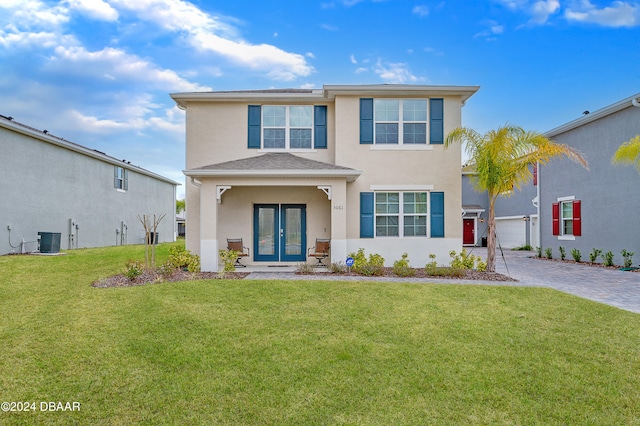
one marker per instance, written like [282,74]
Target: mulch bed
[588,263]
[420,273]
[150,277]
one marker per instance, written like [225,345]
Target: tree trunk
[491,237]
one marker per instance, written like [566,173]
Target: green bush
[593,256]
[133,269]
[607,258]
[180,258]
[465,260]
[401,267]
[548,252]
[337,268]
[563,253]
[575,253]
[228,258]
[628,258]
[374,265]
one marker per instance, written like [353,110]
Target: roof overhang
[596,115]
[327,93]
[349,175]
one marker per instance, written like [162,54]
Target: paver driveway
[616,288]
[610,286]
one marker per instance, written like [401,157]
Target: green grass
[306,352]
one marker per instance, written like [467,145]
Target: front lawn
[305,352]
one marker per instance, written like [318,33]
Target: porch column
[208,227]
[339,221]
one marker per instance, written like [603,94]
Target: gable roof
[44,136]
[596,115]
[275,164]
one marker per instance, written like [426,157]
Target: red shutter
[555,213]
[577,221]
[535,175]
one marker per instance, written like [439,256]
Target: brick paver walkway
[613,287]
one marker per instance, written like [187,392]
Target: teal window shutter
[436,124]
[254,126]
[320,126]
[366,121]
[366,214]
[437,215]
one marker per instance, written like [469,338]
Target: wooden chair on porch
[235,244]
[320,251]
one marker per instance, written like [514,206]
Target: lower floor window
[401,214]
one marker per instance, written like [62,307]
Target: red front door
[468,232]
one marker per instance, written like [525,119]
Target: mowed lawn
[305,352]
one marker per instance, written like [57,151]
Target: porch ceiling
[274,164]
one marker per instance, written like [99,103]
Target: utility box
[49,242]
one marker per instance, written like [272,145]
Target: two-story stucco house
[81,196]
[361,165]
[595,208]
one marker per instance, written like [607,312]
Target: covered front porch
[278,211]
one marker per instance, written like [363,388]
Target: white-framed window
[401,214]
[287,127]
[400,121]
[566,217]
[120,178]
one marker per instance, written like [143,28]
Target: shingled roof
[275,164]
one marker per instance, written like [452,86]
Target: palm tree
[502,158]
[628,153]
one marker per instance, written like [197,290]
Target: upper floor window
[287,127]
[120,178]
[283,127]
[408,123]
[400,121]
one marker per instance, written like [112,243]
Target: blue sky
[99,72]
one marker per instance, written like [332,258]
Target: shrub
[372,266]
[548,252]
[607,258]
[563,254]
[305,268]
[166,270]
[628,258]
[593,256]
[133,270]
[431,266]
[575,253]
[526,247]
[228,258]
[539,251]
[465,260]
[445,271]
[337,268]
[180,258]
[401,267]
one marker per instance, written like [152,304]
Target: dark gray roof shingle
[273,161]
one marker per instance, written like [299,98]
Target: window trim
[381,189]
[287,127]
[561,219]
[121,183]
[400,122]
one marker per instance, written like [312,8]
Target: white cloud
[208,33]
[619,14]
[420,10]
[115,64]
[36,14]
[353,60]
[541,10]
[395,73]
[493,30]
[95,9]
[329,27]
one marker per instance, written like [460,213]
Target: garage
[511,231]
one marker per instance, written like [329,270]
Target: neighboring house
[55,186]
[596,208]
[361,165]
[516,214]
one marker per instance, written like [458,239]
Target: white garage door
[511,231]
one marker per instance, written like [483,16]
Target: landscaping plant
[593,256]
[548,252]
[607,258]
[401,267]
[575,253]
[374,265]
[563,254]
[628,258]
